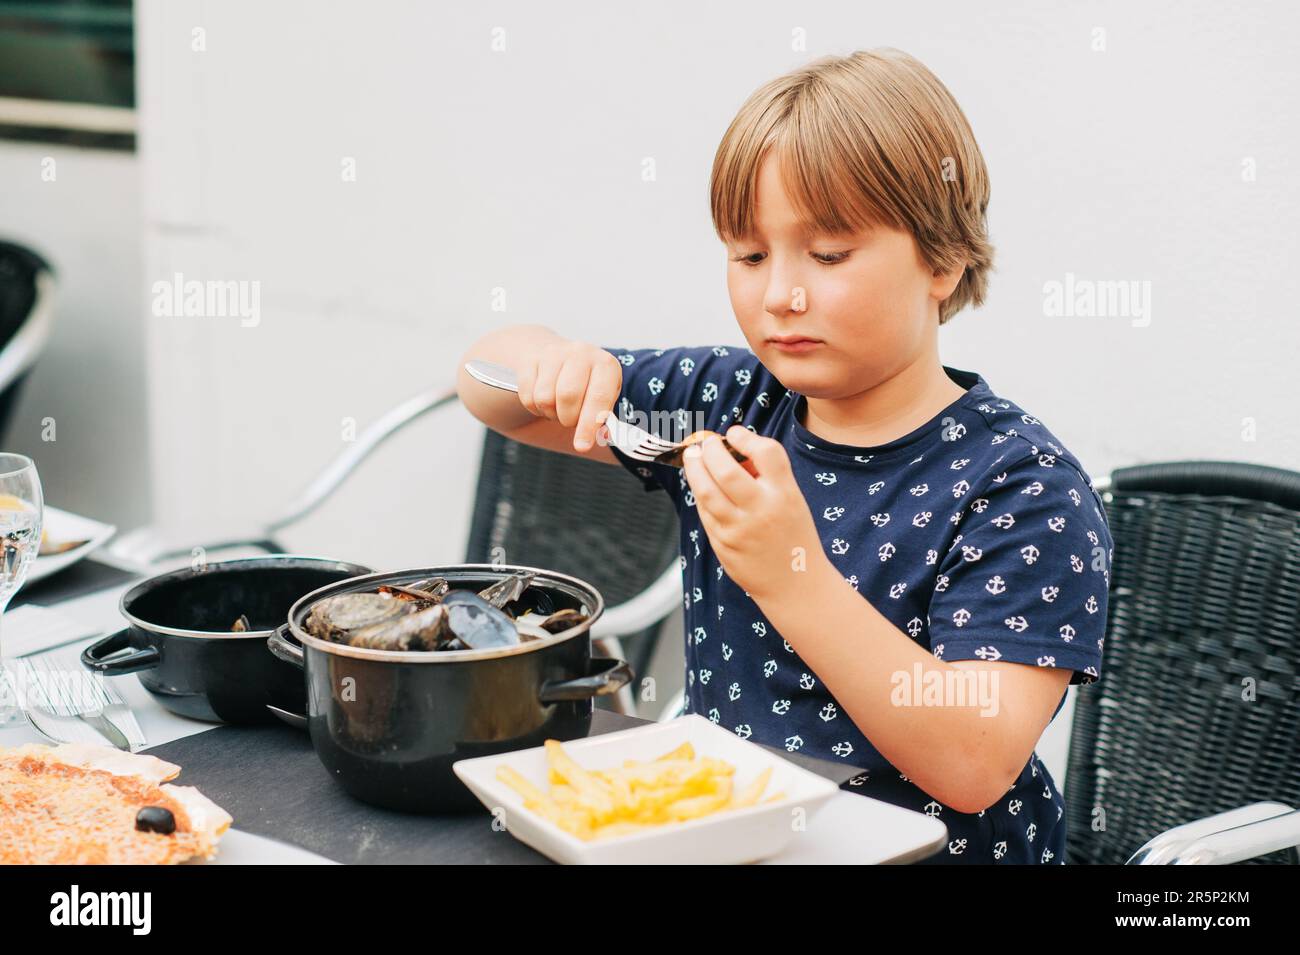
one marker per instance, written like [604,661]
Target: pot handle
[607,675]
[282,649]
[142,659]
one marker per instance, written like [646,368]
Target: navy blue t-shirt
[977,534]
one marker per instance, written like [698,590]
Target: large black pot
[180,643]
[389,724]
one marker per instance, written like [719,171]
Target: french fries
[599,804]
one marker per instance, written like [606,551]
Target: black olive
[155,819]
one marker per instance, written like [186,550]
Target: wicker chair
[533,508]
[26,317]
[1204,603]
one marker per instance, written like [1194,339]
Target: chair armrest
[1242,833]
[645,609]
[324,484]
[147,545]
[29,340]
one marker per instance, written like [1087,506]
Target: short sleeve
[672,392]
[1027,578]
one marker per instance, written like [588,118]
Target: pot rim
[574,585]
[138,590]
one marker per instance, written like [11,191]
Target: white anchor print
[874,487]
[705,675]
[932,809]
[759,627]
[931,557]
[1056,523]
[880,520]
[700,635]
[971,554]
[1047,460]
[1030,553]
[1031,831]
[1018,624]
[988,653]
[1033,488]
[1000,478]
[852,580]
[686,365]
[788,648]
[744,731]
[938,652]
[1074,496]
[919,490]
[1000,849]
[627,359]
[793,742]
[863,460]
[1076,563]
[714,715]
[914,627]
[886,551]
[957,847]
[839,546]
[733,692]
[828,712]
[833,513]
[769,668]
[921,519]
[655,385]
[960,488]
[996,585]
[1048,855]
[979,505]
[961,617]
[697,594]
[1091,604]
[1047,661]
[958,464]
[1067,633]
[941,583]
[806,681]
[1028,419]
[781,707]
[896,591]
[826,478]
[763,400]
[709,391]
[955,431]
[721,351]
[1013,807]
[1004,521]
[859,779]
[743,376]
[842,749]
[1050,593]
[1092,537]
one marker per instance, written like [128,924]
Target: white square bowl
[726,837]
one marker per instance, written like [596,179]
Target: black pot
[180,642]
[388,725]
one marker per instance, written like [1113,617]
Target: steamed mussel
[429,615]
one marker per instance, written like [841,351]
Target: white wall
[90,380]
[522,170]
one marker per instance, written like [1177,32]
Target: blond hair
[864,139]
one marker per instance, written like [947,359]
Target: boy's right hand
[573,383]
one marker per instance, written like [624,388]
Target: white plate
[64,525]
[244,848]
[733,836]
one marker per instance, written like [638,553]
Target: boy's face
[872,312]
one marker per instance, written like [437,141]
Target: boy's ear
[944,283]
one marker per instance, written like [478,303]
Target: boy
[909,569]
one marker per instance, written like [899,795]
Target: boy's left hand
[756,523]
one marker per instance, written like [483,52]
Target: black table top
[269,779]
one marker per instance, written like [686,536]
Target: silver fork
[82,697]
[636,443]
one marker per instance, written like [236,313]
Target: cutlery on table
[63,697]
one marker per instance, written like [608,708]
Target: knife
[69,729]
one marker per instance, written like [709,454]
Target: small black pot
[388,725]
[181,645]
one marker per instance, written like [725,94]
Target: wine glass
[21,509]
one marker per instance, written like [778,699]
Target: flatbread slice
[75,803]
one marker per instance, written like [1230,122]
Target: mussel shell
[476,623]
[673,457]
[507,589]
[334,618]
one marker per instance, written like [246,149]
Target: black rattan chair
[26,316]
[533,508]
[1168,751]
